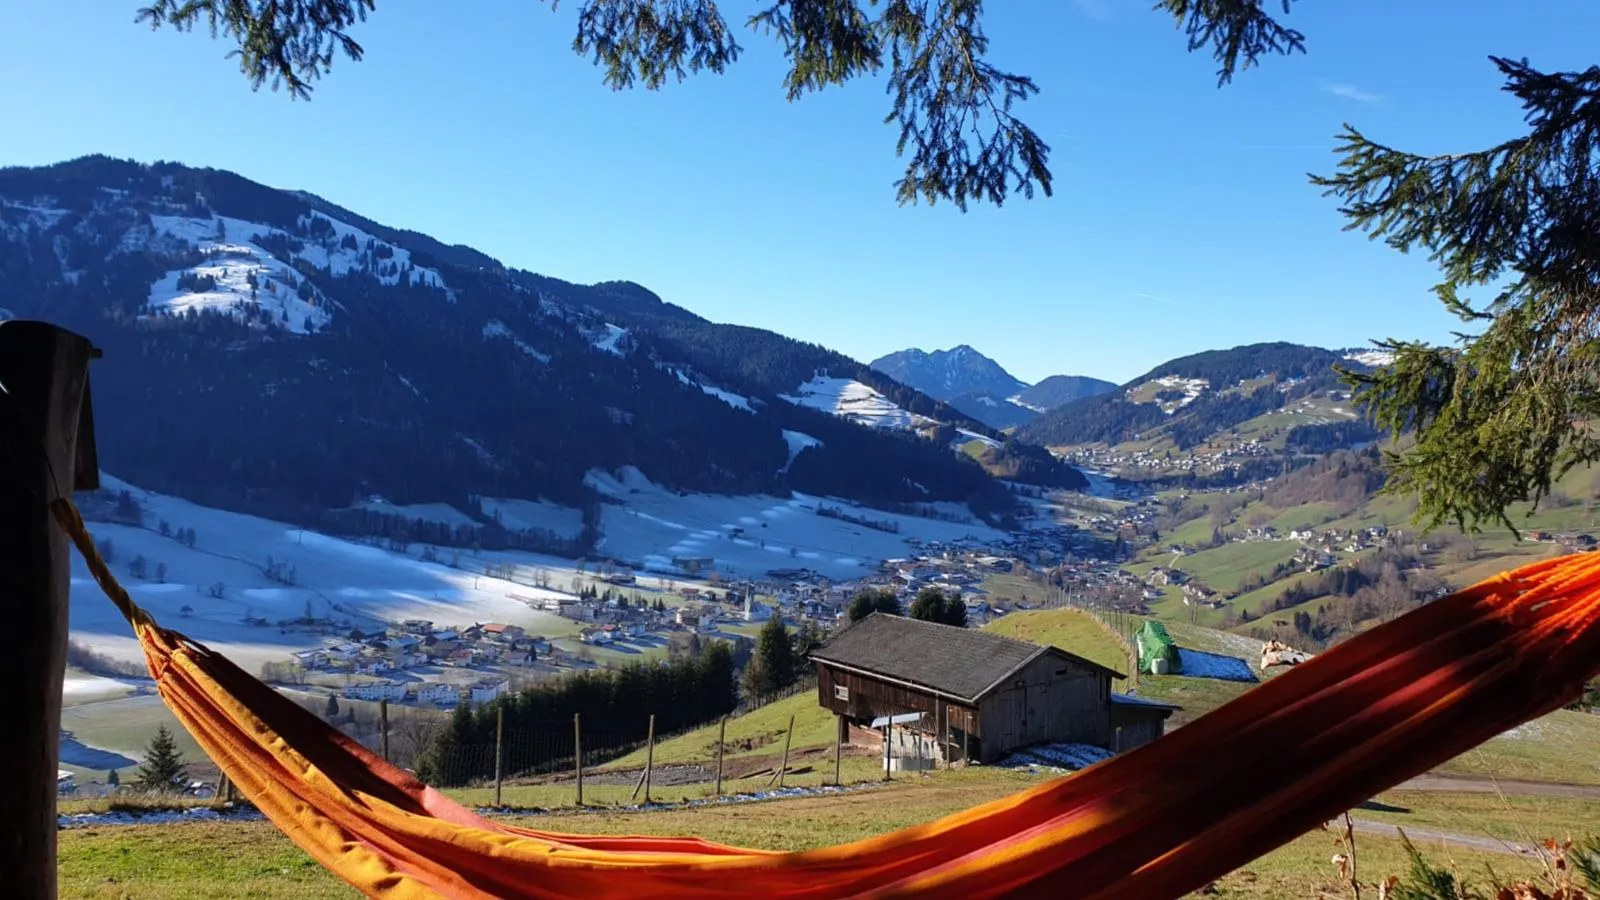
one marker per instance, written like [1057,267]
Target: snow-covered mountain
[948,374]
[271,352]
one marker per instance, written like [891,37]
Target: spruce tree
[772,668]
[929,605]
[163,767]
[331,711]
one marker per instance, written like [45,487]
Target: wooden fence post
[383,727]
[577,753]
[649,756]
[722,737]
[48,452]
[777,777]
[499,751]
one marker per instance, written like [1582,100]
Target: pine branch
[1240,32]
[1500,418]
[289,43]
[954,108]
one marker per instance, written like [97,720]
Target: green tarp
[1157,651]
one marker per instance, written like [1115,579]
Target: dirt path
[1423,834]
[1467,785]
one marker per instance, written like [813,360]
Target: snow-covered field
[521,515]
[334,578]
[853,400]
[362,584]
[654,525]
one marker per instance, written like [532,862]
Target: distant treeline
[614,703]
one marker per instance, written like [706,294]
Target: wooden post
[940,708]
[788,736]
[838,747]
[383,727]
[499,751]
[48,452]
[722,737]
[577,753]
[649,756]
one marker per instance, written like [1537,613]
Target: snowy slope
[1374,358]
[850,399]
[734,400]
[495,328]
[524,515]
[609,339]
[652,525]
[797,442]
[336,578]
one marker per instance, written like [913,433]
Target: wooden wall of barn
[1052,699]
[1134,727]
[867,698]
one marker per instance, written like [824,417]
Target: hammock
[1157,822]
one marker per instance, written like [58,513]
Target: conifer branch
[289,43]
[1499,418]
[1240,32]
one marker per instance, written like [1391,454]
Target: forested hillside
[271,352]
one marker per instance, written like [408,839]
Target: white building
[376,690]
[488,689]
[438,694]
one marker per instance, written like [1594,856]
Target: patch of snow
[607,342]
[1199,664]
[495,328]
[407,382]
[1192,388]
[1373,358]
[1056,757]
[974,436]
[850,399]
[159,817]
[797,442]
[1018,401]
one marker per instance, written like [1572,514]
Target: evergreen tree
[112,779]
[807,637]
[928,605]
[869,601]
[163,767]
[771,669]
[331,711]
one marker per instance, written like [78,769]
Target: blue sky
[1182,219]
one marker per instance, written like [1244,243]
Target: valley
[386,473]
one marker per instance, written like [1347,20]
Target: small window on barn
[840,692]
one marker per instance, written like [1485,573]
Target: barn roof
[961,662]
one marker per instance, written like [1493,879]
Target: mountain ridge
[271,352]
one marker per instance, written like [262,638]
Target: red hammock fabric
[1157,822]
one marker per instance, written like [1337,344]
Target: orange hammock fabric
[1157,822]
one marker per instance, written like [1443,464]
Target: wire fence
[559,764]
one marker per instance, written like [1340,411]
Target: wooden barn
[976,695]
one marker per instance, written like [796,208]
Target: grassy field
[1563,746]
[1225,568]
[252,859]
[757,733]
[1068,629]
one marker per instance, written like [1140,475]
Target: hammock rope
[1156,822]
